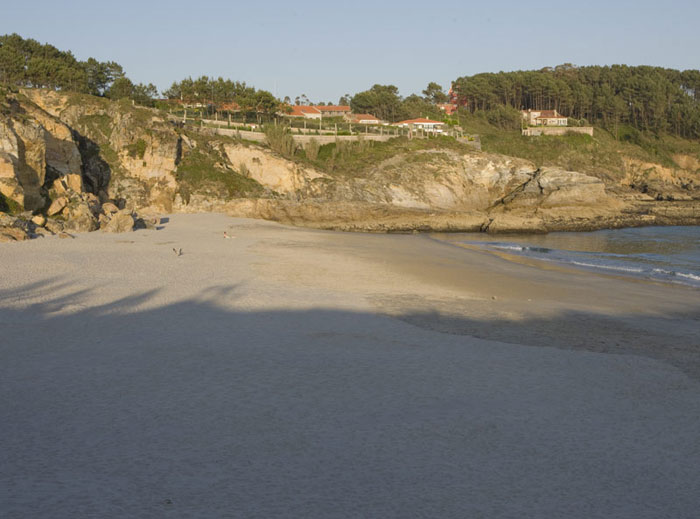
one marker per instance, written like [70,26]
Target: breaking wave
[670,254]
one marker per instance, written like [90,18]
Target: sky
[327,49]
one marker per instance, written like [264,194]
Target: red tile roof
[448,108]
[333,108]
[231,106]
[358,117]
[300,110]
[549,114]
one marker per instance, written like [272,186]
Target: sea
[670,254]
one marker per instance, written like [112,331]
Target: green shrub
[137,149]
[7,205]
[280,140]
[199,172]
[312,148]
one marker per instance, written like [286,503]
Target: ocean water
[670,254]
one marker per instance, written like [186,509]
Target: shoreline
[331,370]
[382,218]
[564,266]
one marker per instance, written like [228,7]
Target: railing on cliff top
[326,133]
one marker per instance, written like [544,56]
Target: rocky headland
[71,162]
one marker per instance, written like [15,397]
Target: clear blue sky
[324,49]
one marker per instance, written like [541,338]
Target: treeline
[28,63]
[384,102]
[647,98]
[221,92]
[650,99]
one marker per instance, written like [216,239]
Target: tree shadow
[136,407]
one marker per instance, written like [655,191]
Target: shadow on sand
[194,410]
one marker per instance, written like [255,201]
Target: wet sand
[296,373]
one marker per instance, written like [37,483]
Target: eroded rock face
[79,159]
[127,152]
[61,151]
[9,183]
[550,188]
[35,147]
[275,173]
[664,183]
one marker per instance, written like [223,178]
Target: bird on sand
[228,236]
[178,252]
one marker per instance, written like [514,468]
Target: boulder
[39,220]
[79,217]
[7,236]
[121,221]
[109,208]
[57,206]
[59,187]
[74,182]
[93,203]
[13,233]
[42,231]
[54,226]
[149,222]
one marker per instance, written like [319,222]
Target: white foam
[688,276]
[510,247]
[609,267]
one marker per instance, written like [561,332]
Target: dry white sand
[297,373]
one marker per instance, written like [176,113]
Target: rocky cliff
[70,162]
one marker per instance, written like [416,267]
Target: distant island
[83,147]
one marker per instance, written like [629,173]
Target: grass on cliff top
[603,154]
[600,154]
[357,158]
[100,122]
[140,115]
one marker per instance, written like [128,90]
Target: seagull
[227,236]
[178,252]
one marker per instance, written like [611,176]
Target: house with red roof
[362,119]
[448,108]
[317,111]
[230,106]
[333,110]
[305,111]
[423,124]
[544,118]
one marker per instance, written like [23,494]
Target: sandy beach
[289,372]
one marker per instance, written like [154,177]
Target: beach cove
[304,373]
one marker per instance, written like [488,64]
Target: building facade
[544,118]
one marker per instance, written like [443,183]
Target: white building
[423,124]
[544,118]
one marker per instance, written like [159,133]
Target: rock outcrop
[127,152]
[79,163]
[272,172]
[35,149]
